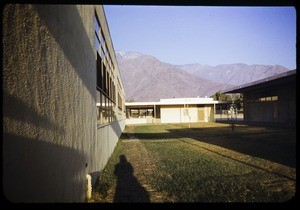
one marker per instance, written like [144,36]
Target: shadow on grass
[243,162]
[274,144]
[128,188]
[149,136]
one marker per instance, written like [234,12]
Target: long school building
[63,100]
[271,100]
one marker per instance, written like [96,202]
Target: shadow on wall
[118,131]
[38,167]
[16,109]
[128,188]
[37,171]
[34,169]
[117,128]
[74,41]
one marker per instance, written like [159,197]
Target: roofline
[166,103]
[261,81]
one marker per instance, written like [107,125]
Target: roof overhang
[276,80]
[150,104]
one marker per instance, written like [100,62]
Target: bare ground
[144,165]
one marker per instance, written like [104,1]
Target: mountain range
[145,78]
[233,74]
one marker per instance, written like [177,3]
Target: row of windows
[139,113]
[105,109]
[106,88]
[105,80]
[263,99]
[101,46]
[120,101]
[270,98]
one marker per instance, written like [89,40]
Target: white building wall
[131,121]
[178,114]
[206,114]
[170,114]
[185,115]
[189,115]
[210,113]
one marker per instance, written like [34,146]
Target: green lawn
[205,163]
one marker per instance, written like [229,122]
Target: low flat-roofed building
[271,100]
[173,110]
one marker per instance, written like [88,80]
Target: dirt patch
[144,168]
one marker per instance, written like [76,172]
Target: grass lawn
[205,163]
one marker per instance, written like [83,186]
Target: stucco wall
[107,138]
[179,114]
[50,131]
[170,114]
[208,113]
[188,116]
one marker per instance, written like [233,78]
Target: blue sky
[206,35]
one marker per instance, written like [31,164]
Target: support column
[154,114]
[214,112]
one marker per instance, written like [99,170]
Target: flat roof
[179,101]
[278,79]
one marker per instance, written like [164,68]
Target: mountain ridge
[233,74]
[146,78]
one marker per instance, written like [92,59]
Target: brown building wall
[281,111]
[287,104]
[259,112]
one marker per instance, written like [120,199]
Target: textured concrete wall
[50,132]
[107,138]
[107,135]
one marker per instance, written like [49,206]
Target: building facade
[174,110]
[271,100]
[63,100]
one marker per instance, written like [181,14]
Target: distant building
[174,110]
[271,100]
[63,100]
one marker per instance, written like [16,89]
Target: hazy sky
[206,35]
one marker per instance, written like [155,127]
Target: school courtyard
[203,162]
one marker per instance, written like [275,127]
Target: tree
[236,98]
[218,96]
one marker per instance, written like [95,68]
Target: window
[265,96]
[274,98]
[120,102]
[105,99]
[99,72]
[268,98]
